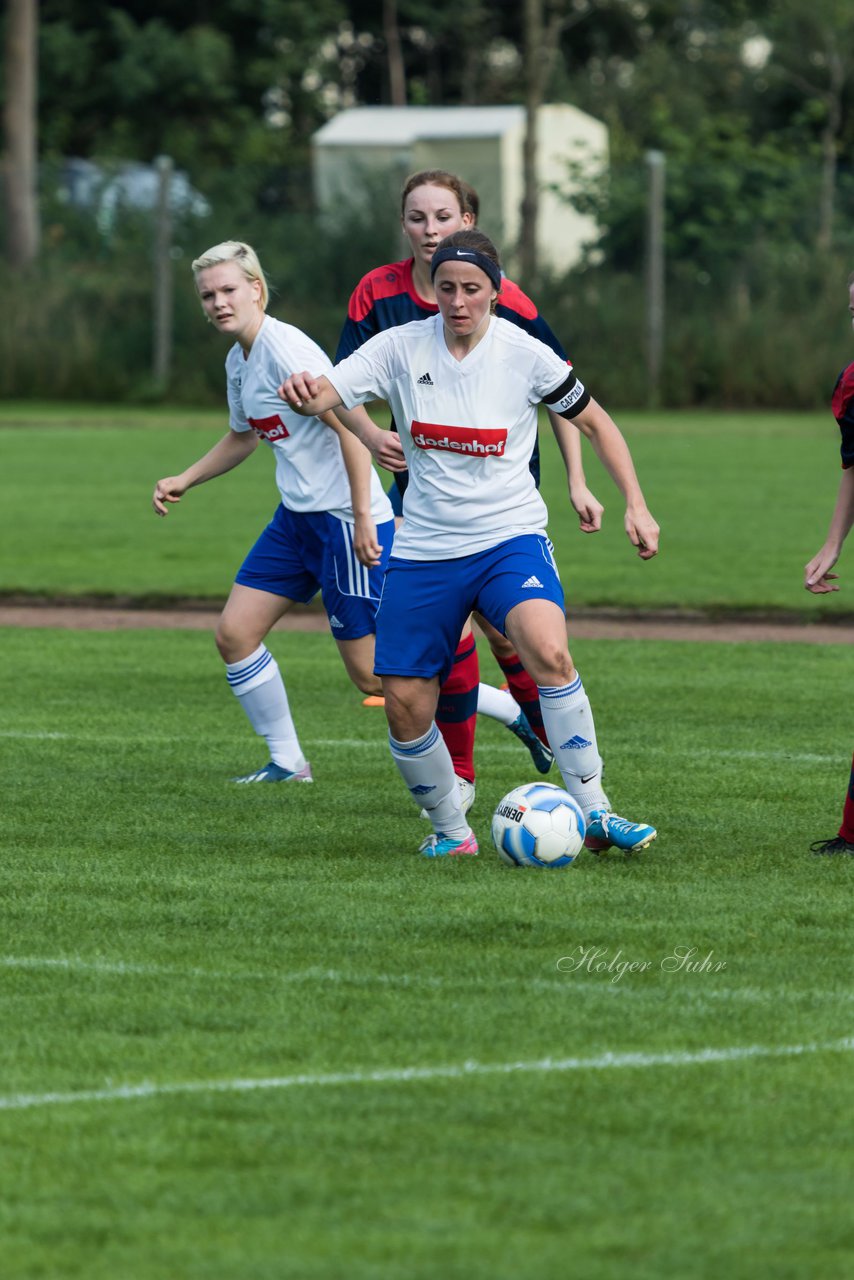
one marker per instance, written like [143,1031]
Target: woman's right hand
[817,576]
[297,389]
[169,489]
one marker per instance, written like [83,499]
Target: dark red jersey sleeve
[515,305]
[843,411]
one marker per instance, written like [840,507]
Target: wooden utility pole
[533,77]
[21,133]
[394,52]
[655,274]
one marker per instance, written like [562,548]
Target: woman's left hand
[587,507]
[643,532]
[365,542]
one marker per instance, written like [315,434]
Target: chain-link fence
[750,311]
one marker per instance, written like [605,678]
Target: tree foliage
[751,102]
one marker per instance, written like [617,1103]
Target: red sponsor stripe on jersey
[382,282]
[512,296]
[472,442]
[271,428]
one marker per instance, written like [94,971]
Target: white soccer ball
[538,825]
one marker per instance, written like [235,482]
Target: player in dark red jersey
[434,204]
[817,575]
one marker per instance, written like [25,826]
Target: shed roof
[401,126]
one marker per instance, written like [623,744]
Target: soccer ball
[538,825]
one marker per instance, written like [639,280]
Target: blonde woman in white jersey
[332,530]
[464,388]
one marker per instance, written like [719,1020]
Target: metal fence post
[163,310]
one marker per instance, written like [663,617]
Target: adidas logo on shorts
[333,622]
[425,380]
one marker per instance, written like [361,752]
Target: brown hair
[476,242]
[466,195]
[471,238]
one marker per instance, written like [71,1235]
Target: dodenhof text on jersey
[480,443]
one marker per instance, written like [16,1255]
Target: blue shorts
[301,553]
[425,602]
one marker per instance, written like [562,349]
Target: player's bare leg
[358,658]
[523,690]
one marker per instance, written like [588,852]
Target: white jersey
[310,471]
[467,428]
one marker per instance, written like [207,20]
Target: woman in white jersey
[433,204]
[331,532]
[464,389]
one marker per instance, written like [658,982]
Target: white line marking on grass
[75,964]
[381,744]
[406,1075]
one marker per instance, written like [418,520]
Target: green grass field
[743,501]
[248,1034]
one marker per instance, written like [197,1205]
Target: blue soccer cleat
[275,773]
[441,846]
[606,829]
[542,756]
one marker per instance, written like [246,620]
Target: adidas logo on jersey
[533,581]
[333,622]
[425,380]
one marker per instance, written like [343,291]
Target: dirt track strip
[587,627]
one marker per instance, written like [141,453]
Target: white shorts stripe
[358,576]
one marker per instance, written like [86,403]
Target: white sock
[498,704]
[258,685]
[427,769]
[569,726]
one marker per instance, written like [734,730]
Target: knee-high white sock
[427,769]
[498,704]
[258,685]
[572,737]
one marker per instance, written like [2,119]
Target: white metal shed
[358,150]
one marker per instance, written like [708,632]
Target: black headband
[453,254]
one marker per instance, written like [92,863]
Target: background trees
[752,105]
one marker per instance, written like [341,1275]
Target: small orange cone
[374,700]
